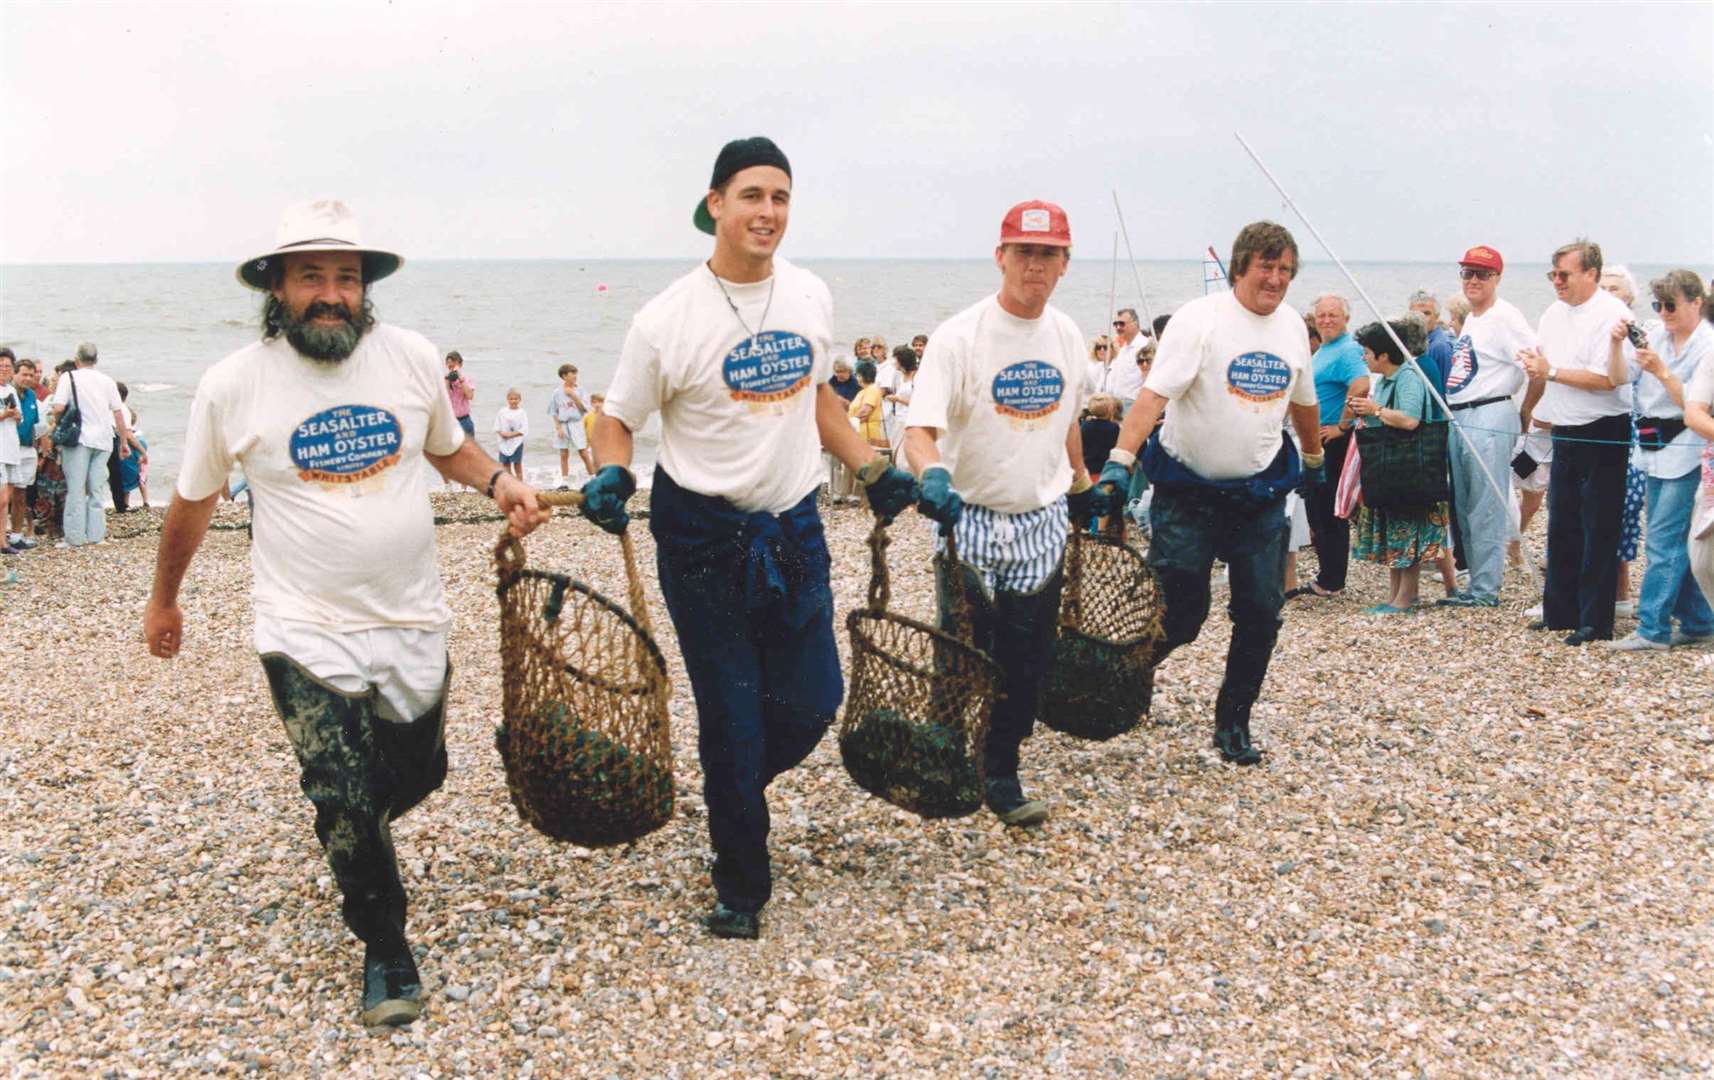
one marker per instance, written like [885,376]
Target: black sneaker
[392,992]
[1005,796]
[723,922]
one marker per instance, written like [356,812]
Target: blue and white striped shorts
[1015,553]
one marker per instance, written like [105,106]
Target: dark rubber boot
[723,922]
[1232,731]
[392,991]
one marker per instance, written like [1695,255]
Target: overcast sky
[142,132]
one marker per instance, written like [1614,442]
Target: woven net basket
[1103,675]
[916,717]
[585,738]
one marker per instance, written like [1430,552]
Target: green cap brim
[700,218]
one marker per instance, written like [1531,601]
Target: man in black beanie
[735,356]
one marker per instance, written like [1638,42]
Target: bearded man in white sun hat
[339,423]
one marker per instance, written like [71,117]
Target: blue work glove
[890,490]
[1314,476]
[604,498]
[1113,485]
[937,499]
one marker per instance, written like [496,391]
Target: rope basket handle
[1071,609]
[509,557]
[880,583]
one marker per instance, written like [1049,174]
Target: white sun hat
[319,225]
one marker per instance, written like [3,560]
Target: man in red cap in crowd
[1480,382]
[999,394]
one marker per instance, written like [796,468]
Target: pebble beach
[1470,851]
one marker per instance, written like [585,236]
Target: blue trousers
[85,520]
[1484,515]
[1190,530]
[1668,591]
[764,672]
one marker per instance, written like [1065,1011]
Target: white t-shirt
[344,534]
[1580,339]
[562,408]
[737,414]
[1125,381]
[510,419]
[97,398]
[1005,391]
[1701,388]
[1229,374]
[1485,356]
[9,442]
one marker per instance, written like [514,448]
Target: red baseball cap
[1036,222]
[1485,258]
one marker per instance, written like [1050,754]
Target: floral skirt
[1398,540]
[1631,534]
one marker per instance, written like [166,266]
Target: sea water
[158,327]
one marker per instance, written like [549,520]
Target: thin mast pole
[1141,295]
[1112,292]
[1504,495]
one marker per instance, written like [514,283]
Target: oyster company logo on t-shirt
[1027,391]
[1258,377]
[1464,365]
[770,368]
[346,444]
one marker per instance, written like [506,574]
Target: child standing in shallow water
[511,424]
[566,409]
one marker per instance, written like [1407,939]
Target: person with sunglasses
[1128,340]
[1585,365]
[1098,375]
[1670,458]
[1482,377]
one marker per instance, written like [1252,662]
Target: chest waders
[360,772]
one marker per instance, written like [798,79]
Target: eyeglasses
[1104,348]
[1470,273]
[1668,306]
[1558,276]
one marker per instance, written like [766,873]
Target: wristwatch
[1552,373]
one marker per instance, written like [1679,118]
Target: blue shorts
[516,457]
[468,425]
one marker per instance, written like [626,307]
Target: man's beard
[324,344]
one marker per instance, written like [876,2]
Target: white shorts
[1539,443]
[10,475]
[575,437]
[407,666]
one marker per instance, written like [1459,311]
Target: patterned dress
[1395,539]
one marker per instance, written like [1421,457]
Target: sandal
[1301,590]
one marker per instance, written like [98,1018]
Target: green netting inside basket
[579,785]
[921,766]
[1095,689]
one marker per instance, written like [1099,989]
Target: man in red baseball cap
[1480,381]
[999,394]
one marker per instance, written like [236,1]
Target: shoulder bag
[70,426]
[1403,471]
